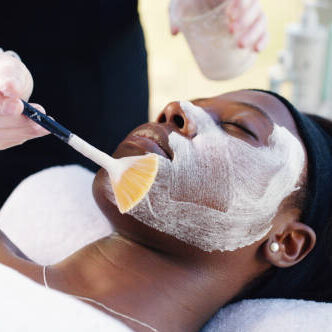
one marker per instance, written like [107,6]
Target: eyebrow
[255,108]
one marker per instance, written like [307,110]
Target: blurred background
[173,73]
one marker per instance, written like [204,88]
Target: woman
[152,270]
[165,283]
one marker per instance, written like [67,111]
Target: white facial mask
[219,192]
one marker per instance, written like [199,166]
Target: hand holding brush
[131,177]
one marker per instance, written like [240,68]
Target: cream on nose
[174,115]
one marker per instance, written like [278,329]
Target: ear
[295,242]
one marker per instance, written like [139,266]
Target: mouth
[146,139]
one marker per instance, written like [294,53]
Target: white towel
[273,315]
[48,216]
[27,307]
[52,213]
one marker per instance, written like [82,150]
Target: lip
[157,135]
[150,137]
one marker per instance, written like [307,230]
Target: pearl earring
[274,247]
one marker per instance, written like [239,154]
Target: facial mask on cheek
[219,192]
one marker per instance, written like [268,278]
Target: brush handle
[46,122]
[100,158]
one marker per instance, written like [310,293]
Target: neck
[157,289]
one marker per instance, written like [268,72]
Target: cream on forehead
[219,192]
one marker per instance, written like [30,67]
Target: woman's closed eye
[240,126]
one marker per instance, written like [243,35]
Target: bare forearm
[14,258]
[10,247]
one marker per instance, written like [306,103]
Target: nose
[174,116]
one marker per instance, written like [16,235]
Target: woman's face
[219,158]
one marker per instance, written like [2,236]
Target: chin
[133,229]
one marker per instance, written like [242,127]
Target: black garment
[88,61]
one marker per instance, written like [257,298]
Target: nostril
[162,118]
[178,120]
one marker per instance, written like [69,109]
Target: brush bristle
[135,182]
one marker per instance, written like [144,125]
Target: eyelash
[249,132]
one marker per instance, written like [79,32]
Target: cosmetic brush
[131,177]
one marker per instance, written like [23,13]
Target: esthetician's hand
[15,83]
[247,22]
